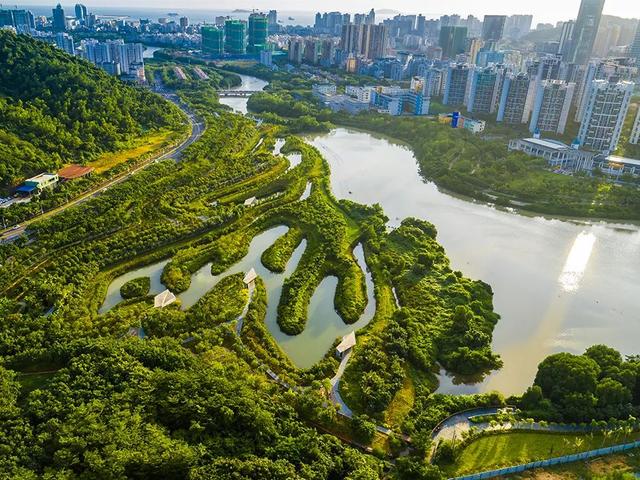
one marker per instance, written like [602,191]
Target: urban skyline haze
[542,10]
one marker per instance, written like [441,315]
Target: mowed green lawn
[508,449]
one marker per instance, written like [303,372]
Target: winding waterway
[248,83]
[558,285]
[323,326]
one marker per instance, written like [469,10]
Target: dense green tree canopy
[56,109]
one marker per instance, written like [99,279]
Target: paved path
[197,129]
[335,386]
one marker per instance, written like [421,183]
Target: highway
[197,129]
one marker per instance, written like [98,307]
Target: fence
[553,461]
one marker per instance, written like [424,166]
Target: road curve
[197,129]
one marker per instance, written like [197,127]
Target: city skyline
[543,10]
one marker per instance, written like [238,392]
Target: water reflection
[248,83]
[577,261]
[324,324]
[521,257]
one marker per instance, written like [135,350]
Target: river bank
[560,284]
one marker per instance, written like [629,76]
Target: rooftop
[43,177]
[347,342]
[626,161]
[250,276]
[164,299]
[74,171]
[552,144]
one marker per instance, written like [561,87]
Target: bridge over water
[237,93]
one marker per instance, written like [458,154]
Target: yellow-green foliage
[275,258]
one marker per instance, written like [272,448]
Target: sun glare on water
[577,262]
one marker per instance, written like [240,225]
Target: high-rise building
[272,18]
[6,18]
[22,20]
[131,59]
[64,41]
[513,101]
[585,31]
[258,32]
[475,45]
[484,90]
[312,51]
[81,12]
[634,50]
[493,27]
[371,18]
[351,38]
[634,139]
[374,41]
[266,58]
[604,114]
[96,52]
[421,25]
[432,82]
[296,50]
[551,106]
[59,22]
[610,70]
[235,42]
[565,37]
[452,41]
[456,84]
[517,26]
[327,53]
[184,22]
[212,40]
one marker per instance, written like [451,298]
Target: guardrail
[551,462]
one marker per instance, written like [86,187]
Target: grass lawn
[142,146]
[625,463]
[508,449]
[402,402]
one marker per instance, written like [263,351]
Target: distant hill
[55,109]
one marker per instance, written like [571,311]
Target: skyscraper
[6,18]
[515,91]
[235,37]
[634,51]
[371,18]
[551,106]
[351,38]
[565,37]
[635,131]
[273,20]
[452,41]
[20,19]
[59,23]
[296,50]
[606,109]
[517,26]
[258,32]
[585,31]
[456,84]
[374,41]
[493,27]
[484,90]
[64,41]
[212,40]
[81,12]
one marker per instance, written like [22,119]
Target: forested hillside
[57,109]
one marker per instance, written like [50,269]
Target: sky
[543,10]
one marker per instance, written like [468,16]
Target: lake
[558,285]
